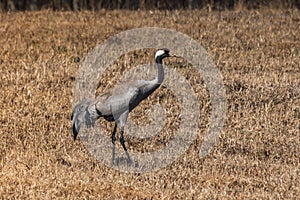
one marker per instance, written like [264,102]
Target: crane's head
[162,53]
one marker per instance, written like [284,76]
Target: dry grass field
[257,157]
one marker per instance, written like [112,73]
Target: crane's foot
[121,161]
[122,141]
[128,158]
[117,161]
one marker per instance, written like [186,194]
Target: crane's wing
[127,96]
[102,103]
[120,101]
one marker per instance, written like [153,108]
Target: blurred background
[76,5]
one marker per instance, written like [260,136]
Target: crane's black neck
[160,70]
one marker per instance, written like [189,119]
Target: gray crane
[116,105]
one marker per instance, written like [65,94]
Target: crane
[116,106]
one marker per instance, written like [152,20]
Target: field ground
[257,157]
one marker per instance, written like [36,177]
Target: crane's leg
[113,140]
[122,141]
[122,121]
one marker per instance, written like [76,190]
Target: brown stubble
[257,155]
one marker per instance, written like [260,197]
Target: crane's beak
[172,55]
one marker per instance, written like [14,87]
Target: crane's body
[116,105]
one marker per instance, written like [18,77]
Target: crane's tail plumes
[83,112]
